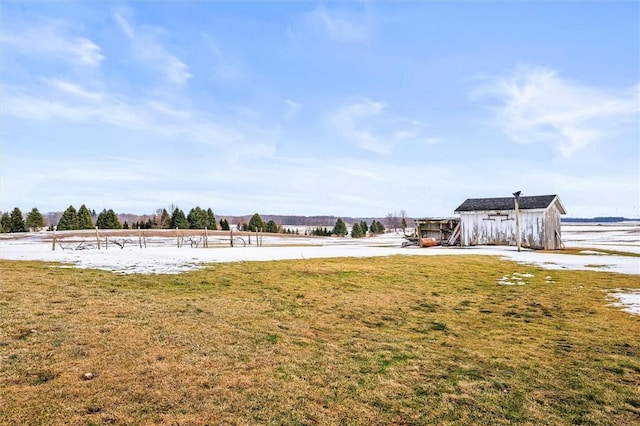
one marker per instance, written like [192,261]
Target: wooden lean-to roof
[508,203]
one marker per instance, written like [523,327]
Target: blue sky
[308,108]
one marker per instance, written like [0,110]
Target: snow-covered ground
[162,255]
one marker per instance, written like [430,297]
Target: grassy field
[400,340]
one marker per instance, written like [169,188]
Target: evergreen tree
[16,223]
[148,224]
[377,227]
[364,227]
[224,224]
[340,229]
[178,220]
[256,223]
[125,225]
[211,220]
[84,220]
[108,219]
[403,224]
[5,222]
[69,220]
[197,218]
[356,231]
[35,220]
[272,226]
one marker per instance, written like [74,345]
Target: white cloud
[166,109]
[535,105]
[155,119]
[146,47]
[75,90]
[370,126]
[351,122]
[52,39]
[341,26]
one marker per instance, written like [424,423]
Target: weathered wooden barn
[492,221]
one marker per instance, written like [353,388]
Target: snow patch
[516,278]
[628,300]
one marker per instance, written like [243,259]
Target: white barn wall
[499,228]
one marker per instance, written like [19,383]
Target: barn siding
[553,230]
[499,228]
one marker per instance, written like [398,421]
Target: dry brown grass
[581,250]
[419,340]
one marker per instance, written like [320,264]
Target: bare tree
[392,221]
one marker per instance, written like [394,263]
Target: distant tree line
[358,230]
[15,222]
[83,218]
[197,218]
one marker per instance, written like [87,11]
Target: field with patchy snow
[162,255]
[602,247]
[413,336]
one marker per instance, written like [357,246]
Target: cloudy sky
[306,108]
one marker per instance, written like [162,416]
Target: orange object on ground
[427,242]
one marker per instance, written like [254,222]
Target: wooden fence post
[231,238]
[139,237]
[97,238]
[54,238]
[206,238]
[177,238]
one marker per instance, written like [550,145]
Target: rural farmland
[351,331]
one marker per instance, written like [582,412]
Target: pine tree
[364,227]
[356,231]
[5,222]
[377,227]
[211,220]
[125,225]
[224,224]
[16,223]
[340,229]
[84,220]
[69,220]
[178,220]
[272,226]
[35,220]
[256,223]
[108,219]
[197,218]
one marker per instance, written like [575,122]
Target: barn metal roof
[507,203]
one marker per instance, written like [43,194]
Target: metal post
[517,197]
